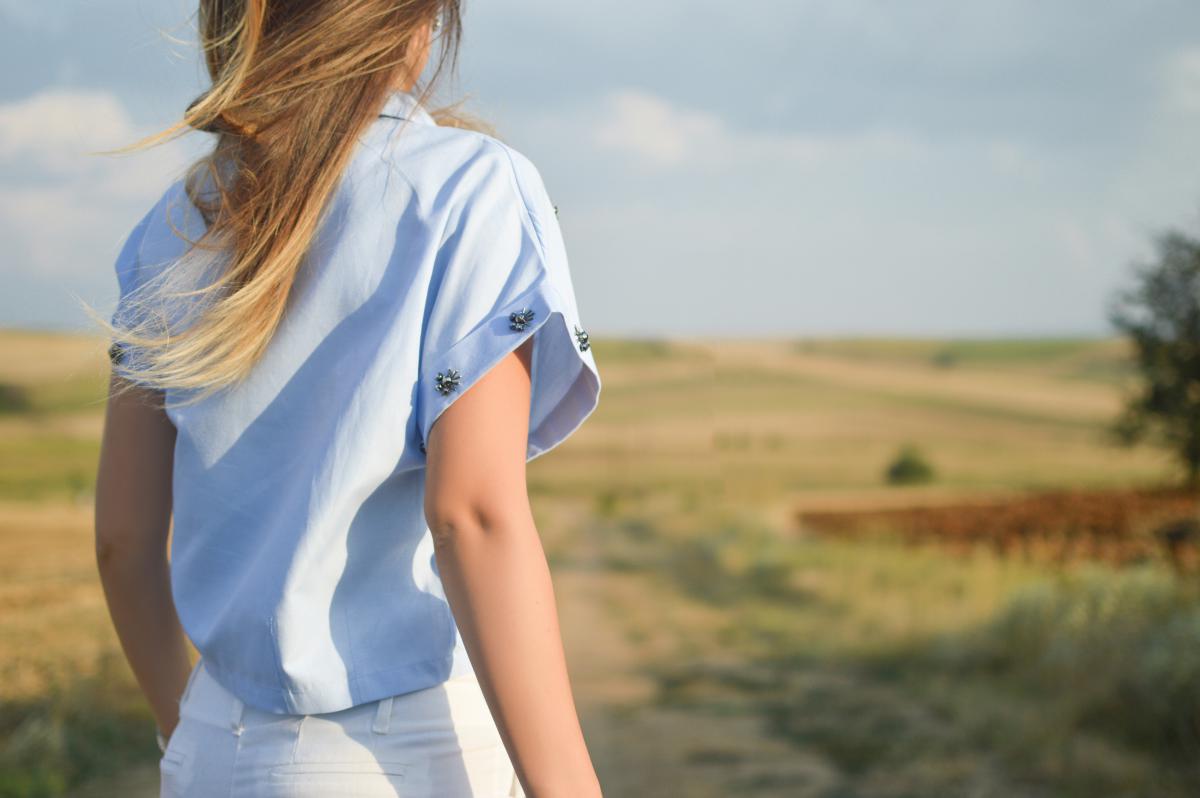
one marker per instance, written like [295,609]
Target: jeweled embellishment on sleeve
[582,337]
[518,320]
[447,382]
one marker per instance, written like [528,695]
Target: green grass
[47,467]
[894,670]
[914,674]
[1020,352]
[633,351]
[85,726]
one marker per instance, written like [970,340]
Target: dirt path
[614,627]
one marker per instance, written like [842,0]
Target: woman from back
[340,337]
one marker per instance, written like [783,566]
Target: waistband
[207,700]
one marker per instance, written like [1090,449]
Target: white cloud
[1097,244]
[1182,80]
[35,16]
[1009,158]
[58,201]
[650,128]
[55,128]
[659,133]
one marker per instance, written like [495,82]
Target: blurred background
[892,487]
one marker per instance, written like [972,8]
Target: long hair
[294,83]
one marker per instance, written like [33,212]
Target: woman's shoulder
[172,222]
[162,234]
[460,166]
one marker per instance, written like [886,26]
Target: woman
[339,339]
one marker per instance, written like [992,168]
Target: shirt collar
[404,104]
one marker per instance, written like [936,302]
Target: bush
[945,359]
[14,398]
[909,467]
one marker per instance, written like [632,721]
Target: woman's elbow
[448,521]
[451,520]
[117,548]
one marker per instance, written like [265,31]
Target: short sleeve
[502,277]
[128,267]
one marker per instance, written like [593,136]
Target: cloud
[662,134]
[849,154]
[63,210]
[34,16]
[652,129]
[54,129]
[1182,80]
[1009,158]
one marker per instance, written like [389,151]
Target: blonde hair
[294,83]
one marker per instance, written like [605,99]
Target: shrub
[909,467]
[14,398]
[945,359]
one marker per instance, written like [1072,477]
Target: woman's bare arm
[133,518]
[497,580]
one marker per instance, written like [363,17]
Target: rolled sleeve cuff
[565,384]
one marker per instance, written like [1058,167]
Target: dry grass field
[717,646]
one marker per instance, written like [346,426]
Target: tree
[1161,315]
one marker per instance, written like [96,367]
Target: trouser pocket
[187,687]
[175,766]
[183,697]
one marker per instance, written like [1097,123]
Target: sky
[764,168]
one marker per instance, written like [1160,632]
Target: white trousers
[440,742]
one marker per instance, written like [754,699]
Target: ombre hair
[294,83]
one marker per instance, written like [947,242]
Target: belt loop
[235,720]
[383,716]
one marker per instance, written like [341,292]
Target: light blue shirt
[302,566]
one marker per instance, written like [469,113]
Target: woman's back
[302,565]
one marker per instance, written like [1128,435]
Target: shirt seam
[525,203]
[383,154]
[282,688]
[531,215]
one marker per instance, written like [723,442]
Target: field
[726,635]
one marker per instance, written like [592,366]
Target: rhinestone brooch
[582,337]
[447,382]
[518,320]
